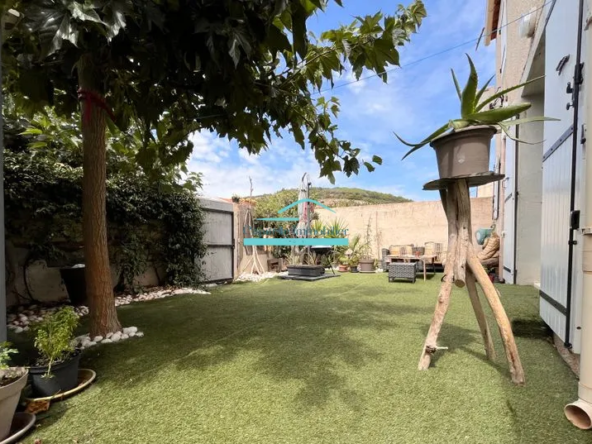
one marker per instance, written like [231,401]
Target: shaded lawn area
[332,361]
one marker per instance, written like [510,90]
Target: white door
[509,193]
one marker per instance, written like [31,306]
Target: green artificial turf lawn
[333,361]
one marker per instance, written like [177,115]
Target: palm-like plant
[474,113]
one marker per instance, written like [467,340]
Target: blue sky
[418,98]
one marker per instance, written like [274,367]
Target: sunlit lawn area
[333,361]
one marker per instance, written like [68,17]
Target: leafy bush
[149,221]
[54,335]
[5,352]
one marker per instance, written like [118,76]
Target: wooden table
[410,257]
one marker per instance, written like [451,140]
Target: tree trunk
[99,288]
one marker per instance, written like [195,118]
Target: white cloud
[207,146]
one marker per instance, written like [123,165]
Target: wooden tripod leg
[480,315]
[430,344]
[465,234]
[516,370]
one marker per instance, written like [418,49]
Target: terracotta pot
[343,268]
[366,265]
[464,152]
[9,398]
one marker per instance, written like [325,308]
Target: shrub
[54,335]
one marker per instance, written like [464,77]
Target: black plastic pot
[64,377]
[75,284]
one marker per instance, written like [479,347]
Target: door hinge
[574,242]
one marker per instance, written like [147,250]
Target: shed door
[555,233]
[218,263]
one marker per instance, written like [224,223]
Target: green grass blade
[504,92]
[456,85]
[467,105]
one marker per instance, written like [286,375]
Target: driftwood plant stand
[463,268]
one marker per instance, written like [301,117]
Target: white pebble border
[26,315]
[249,277]
[85,341]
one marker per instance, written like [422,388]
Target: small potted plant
[343,263]
[56,369]
[353,263]
[235,198]
[12,382]
[463,144]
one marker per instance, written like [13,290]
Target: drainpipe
[580,411]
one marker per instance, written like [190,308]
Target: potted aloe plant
[462,145]
[12,382]
[56,369]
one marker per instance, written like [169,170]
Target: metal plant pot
[9,398]
[464,152]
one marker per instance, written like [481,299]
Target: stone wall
[404,223]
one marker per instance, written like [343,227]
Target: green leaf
[299,29]
[31,131]
[504,92]
[84,12]
[377,160]
[114,20]
[530,119]
[497,115]
[456,85]
[278,40]
[483,89]
[424,142]
[234,51]
[506,130]
[458,124]
[467,105]
[369,166]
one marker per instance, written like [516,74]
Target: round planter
[464,152]
[64,377]
[9,398]
[343,268]
[353,269]
[366,265]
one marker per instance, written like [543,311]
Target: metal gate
[218,263]
[555,233]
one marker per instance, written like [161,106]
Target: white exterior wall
[529,195]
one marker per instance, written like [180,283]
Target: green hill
[347,197]
[333,197]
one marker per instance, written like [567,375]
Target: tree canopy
[244,69]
